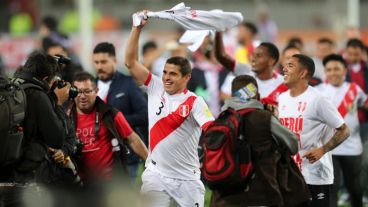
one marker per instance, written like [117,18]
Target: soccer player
[176,118]
[318,124]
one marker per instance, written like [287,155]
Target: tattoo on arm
[340,135]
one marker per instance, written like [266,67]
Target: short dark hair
[241,81]
[48,42]
[50,22]
[251,27]
[84,76]
[41,65]
[334,57]
[272,51]
[294,41]
[354,42]
[325,40]
[148,45]
[105,47]
[289,47]
[183,63]
[306,62]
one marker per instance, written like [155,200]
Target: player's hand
[314,154]
[272,108]
[144,19]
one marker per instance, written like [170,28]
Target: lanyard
[97,125]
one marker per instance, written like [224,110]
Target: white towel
[194,38]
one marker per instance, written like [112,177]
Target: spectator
[286,54]
[207,76]
[267,27]
[121,92]
[98,126]
[247,32]
[54,48]
[347,158]
[297,42]
[358,73]
[325,46]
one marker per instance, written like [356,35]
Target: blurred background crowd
[79,25]
[73,28]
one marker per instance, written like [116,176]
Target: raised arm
[138,71]
[219,49]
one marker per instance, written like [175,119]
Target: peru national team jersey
[347,98]
[269,90]
[313,118]
[175,125]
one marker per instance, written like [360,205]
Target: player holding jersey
[176,120]
[318,124]
[346,97]
[263,60]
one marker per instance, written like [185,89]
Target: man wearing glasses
[97,126]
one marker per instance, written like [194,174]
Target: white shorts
[159,190]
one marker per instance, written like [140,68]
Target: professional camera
[61,60]
[60,83]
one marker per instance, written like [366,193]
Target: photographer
[43,129]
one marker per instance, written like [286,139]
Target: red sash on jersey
[165,126]
[272,97]
[348,100]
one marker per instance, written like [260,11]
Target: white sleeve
[201,112]
[226,86]
[152,84]
[362,97]
[328,113]
[242,69]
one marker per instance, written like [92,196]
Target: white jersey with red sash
[175,125]
[313,118]
[347,98]
[269,90]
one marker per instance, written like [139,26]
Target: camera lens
[73,92]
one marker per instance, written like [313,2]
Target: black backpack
[227,164]
[13,104]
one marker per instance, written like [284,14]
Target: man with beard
[121,92]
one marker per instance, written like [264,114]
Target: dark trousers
[321,195]
[350,168]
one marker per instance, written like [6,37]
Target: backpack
[13,104]
[227,164]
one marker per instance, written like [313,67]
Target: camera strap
[97,125]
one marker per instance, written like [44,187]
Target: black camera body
[60,83]
[62,60]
